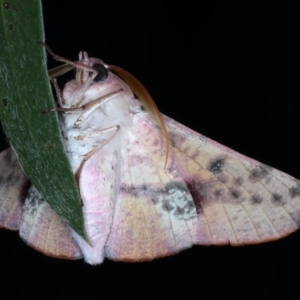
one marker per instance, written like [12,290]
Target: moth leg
[93,105]
[75,64]
[115,129]
[94,134]
[60,100]
[58,91]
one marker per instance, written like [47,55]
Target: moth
[150,187]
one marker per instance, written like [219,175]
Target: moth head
[82,76]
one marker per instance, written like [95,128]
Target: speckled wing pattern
[23,208]
[208,194]
[239,200]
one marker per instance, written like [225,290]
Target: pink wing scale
[13,188]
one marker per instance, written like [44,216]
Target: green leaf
[25,95]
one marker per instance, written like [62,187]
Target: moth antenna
[60,70]
[141,92]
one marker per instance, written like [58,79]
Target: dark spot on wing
[189,207]
[218,193]
[176,139]
[216,166]
[142,108]
[144,187]
[24,190]
[167,206]
[10,27]
[6,5]
[223,178]
[179,211]
[239,181]
[4,101]
[276,198]
[142,190]
[256,199]
[16,8]
[33,201]
[155,142]
[295,191]
[154,200]
[131,190]
[235,194]
[258,173]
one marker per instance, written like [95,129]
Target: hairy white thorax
[112,112]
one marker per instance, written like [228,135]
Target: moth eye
[102,72]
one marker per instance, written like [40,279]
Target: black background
[225,69]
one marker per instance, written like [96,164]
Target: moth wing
[13,189]
[42,229]
[208,194]
[239,200]
[155,215]
[22,208]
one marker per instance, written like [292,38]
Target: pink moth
[150,186]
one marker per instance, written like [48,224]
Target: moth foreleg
[93,105]
[99,132]
[60,100]
[114,129]
[75,64]
[58,91]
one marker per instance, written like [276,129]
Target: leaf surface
[25,96]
